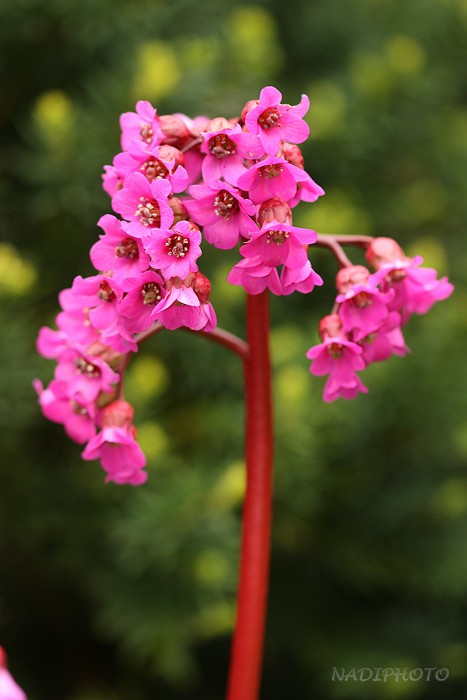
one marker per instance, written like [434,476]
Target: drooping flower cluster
[177,180]
[230,182]
[371,310]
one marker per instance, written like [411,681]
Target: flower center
[277,237]
[127,248]
[146,133]
[397,275]
[154,169]
[362,300]
[151,293]
[177,245]
[335,350]
[269,118]
[76,408]
[225,204]
[221,146]
[270,171]
[148,212]
[105,292]
[87,368]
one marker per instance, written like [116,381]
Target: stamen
[105,292]
[269,118]
[277,237]
[151,293]
[148,212]
[154,169]
[146,133]
[221,146]
[335,350]
[225,204]
[87,368]
[127,248]
[177,245]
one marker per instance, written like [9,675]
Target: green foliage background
[113,593]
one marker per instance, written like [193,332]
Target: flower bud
[218,124]
[274,209]
[201,287]
[292,154]
[175,130]
[347,277]
[117,414]
[178,208]
[330,326]
[249,105]
[167,152]
[383,250]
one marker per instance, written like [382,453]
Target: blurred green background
[115,593]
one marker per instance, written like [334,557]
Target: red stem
[247,649]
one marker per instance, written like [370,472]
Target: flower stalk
[247,649]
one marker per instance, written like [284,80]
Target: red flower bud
[117,414]
[347,277]
[383,250]
[274,209]
[175,131]
[330,326]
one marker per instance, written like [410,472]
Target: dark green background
[115,593]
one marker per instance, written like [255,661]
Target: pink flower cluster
[176,181]
[370,311]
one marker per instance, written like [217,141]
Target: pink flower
[142,125]
[86,376]
[384,342]
[222,212]
[254,276]
[278,244]
[415,289]
[101,295]
[144,203]
[225,151]
[180,307]
[275,177]
[156,163]
[363,307]
[111,180]
[341,359]
[302,279]
[77,418]
[202,288]
[120,455]
[118,252]
[174,252]
[9,689]
[274,122]
[143,294]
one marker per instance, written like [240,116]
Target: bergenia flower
[180,307]
[144,203]
[156,163]
[143,293]
[275,177]
[222,212]
[278,244]
[116,447]
[302,279]
[118,252]
[341,359]
[174,252]
[142,125]
[274,122]
[225,151]
[77,417]
[254,276]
